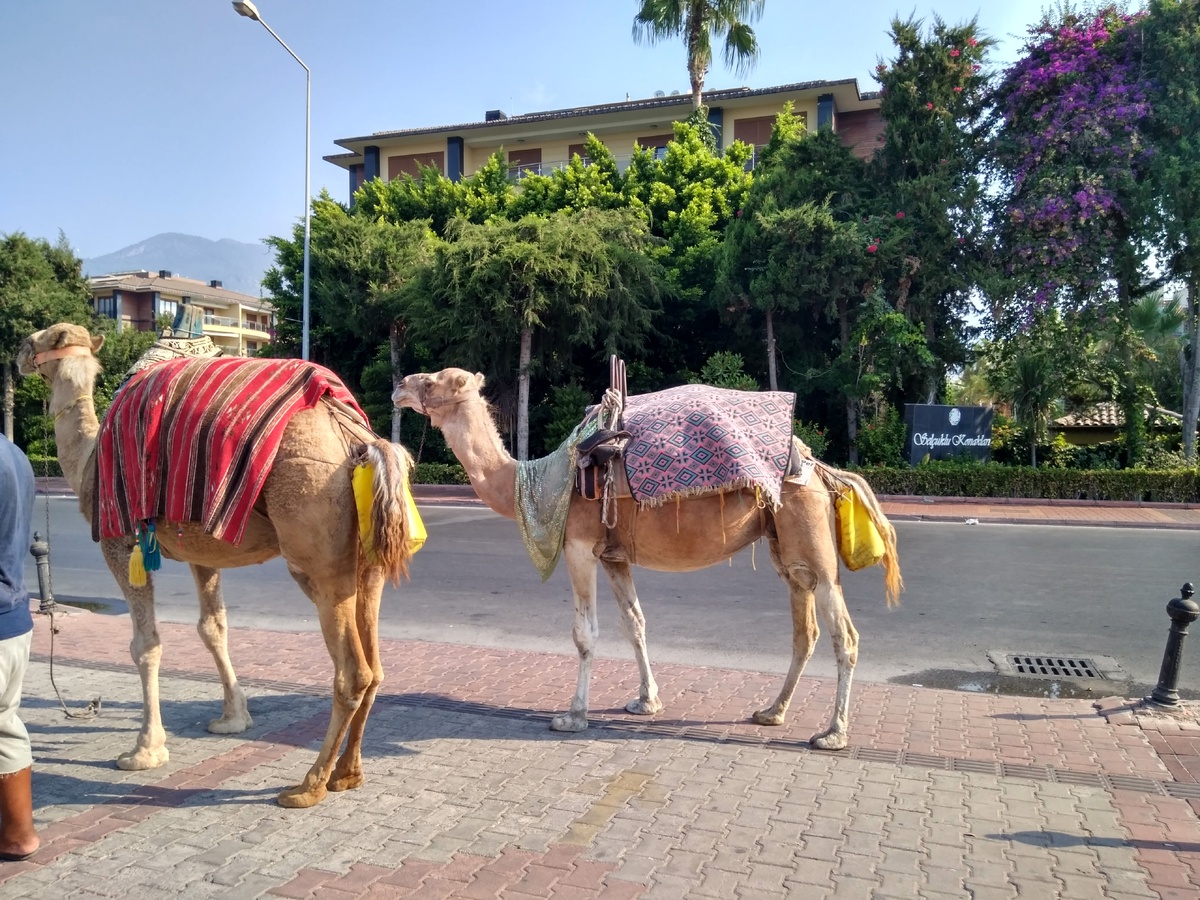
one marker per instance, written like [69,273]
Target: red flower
[958,90]
[954,53]
[929,106]
[871,248]
[971,42]
[900,215]
[739,213]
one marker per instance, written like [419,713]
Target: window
[107,306]
[411,164]
[657,143]
[524,162]
[581,149]
[756,131]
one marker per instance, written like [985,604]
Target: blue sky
[121,119]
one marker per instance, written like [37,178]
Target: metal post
[248,9]
[1183,610]
[41,554]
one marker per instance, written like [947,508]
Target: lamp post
[248,9]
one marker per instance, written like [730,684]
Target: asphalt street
[974,593]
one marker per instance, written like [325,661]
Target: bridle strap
[60,353]
[428,403]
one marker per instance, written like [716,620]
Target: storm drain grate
[1053,666]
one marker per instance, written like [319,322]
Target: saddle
[598,454]
[600,457]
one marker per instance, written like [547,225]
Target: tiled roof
[1108,415]
[142,281]
[711,98]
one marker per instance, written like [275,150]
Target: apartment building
[542,141]
[238,323]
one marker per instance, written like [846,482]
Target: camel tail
[893,583]
[386,524]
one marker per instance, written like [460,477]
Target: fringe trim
[737,484]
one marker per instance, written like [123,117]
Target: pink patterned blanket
[696,438]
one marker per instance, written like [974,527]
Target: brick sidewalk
[941,794]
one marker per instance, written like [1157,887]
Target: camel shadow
[399,724]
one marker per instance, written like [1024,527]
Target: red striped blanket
[192,440]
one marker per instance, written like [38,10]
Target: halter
[60,353]
[436,402]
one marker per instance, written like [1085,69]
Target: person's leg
[17,836]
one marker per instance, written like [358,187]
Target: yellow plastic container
[859,543]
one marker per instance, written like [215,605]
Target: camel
[692,533]
[305,513]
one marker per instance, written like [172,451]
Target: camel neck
[471,434]
[74,414]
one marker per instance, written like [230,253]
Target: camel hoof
[569,722]
[830,740]
[136,760]
[299,797]
[768,717]
[640,707]
[235,724]
[345,782]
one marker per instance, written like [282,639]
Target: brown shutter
[411,163]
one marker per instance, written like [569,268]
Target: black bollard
[41,554]
[1183,611]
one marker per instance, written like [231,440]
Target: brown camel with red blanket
[305,511]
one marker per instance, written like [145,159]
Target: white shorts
[15,752]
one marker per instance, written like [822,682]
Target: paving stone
[702,818]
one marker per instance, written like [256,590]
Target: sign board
[945,432]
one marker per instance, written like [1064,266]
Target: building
[238,323]
[1106,420]
[542,141]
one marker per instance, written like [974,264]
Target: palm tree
[698,22]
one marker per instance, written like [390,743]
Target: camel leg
[832,606]
[214,631]
[335,600]
[150,751]
[581,565]
[800,581]
[348,772]
[633,625]
[804,552]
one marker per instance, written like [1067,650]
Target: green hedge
[957,480]
[938,479]
[439,473]
[46,466]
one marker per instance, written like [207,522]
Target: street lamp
[247,9]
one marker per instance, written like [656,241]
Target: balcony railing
[516,173]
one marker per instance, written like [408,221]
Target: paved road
[942,794]
[972,590]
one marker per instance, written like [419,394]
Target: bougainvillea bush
[1073,155]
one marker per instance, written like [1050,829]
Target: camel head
[434,395]
[40,353]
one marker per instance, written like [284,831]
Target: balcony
[519,172]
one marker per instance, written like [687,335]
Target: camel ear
[97,343]
[458,382]
[478,381]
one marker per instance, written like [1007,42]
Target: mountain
[238,266]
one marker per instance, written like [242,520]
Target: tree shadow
[1061,839]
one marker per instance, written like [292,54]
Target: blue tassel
[151,556]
